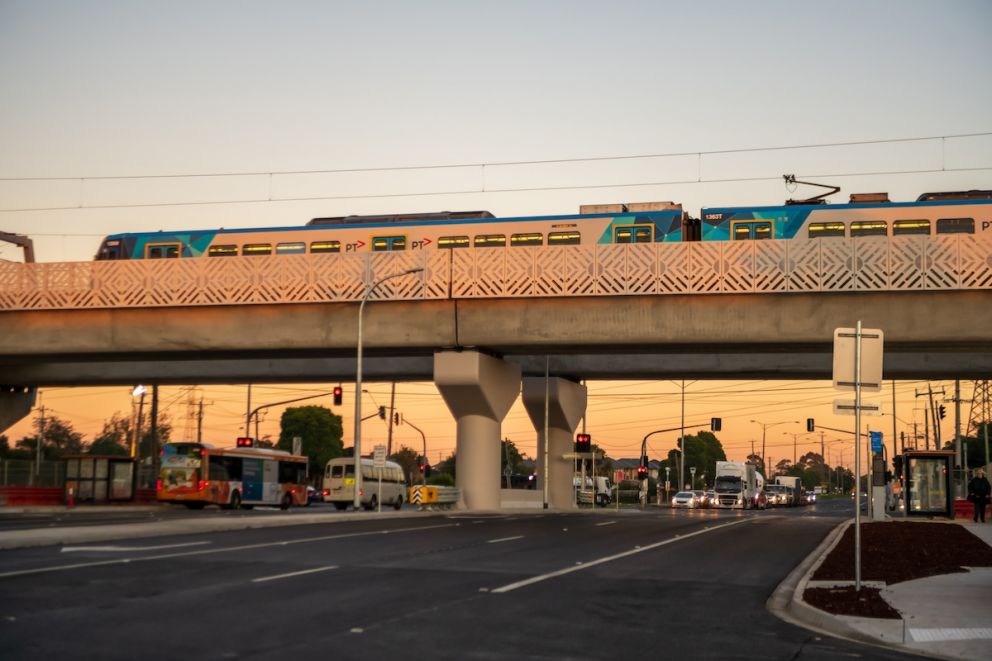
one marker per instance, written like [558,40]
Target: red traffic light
[337,395]
[583,443]
[245,442]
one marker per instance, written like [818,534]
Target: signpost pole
[857,457]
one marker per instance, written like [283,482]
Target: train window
[294,248]
[762,231]
[453,242]
[325,246]
[818,230]
[955,226]
[223,251]
[161,250]
[752,230]
[527,239]
[570,238]
[490,241]
[256,249]
[910,227]
[869,228]
[742,232]
[388,243]
[632,233]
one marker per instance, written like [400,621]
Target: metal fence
[28,473]
[906,263]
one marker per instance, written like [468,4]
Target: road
[588,585]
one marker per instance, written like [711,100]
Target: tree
[320,430]
[446,467]
[115,437]
[702,450]
[758,463]
[58,438]
[409,460]
[510,456]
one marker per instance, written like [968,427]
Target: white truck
[597,489]
[736,485]
[795,485]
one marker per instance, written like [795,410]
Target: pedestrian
[979,490]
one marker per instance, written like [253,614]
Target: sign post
[860,349]
[379,462]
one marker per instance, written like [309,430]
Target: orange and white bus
[199,474]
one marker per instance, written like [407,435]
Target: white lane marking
[71,549]
[504,539]
[611,558]
[294,573]
[228,549]
[606,523]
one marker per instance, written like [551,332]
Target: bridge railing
[911,263]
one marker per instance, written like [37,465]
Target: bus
[339,483]
[200,474]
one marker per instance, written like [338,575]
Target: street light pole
[764,429]
[357,503]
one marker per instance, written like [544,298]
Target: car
[711,500]
[685,499]
[314,496]
[701,498]
[760,501]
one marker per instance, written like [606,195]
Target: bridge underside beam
[15,404]
[747,363]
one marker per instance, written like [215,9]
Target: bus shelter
[928,482]
[99,479]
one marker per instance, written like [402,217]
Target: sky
[121,116]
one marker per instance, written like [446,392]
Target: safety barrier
[32,496]
[434,497]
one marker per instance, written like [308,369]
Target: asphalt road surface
[591,585]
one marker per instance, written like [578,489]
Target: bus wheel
[287,500]
[341,506]
[235,501]
[373,504]
[399,502]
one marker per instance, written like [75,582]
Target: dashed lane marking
[263,579]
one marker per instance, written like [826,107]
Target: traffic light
[942,411]
[337,395]
[382,412]
[427,470]
[810,424]
[396,418]
[245,442]
[716,424]
[642,472]
[583,443]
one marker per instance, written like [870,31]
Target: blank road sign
[871,359]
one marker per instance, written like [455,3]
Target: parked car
[685,499]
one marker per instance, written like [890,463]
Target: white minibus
[339,483]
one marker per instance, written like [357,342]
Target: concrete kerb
[787,604]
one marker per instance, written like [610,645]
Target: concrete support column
[479,391]
[15,403]
[566,404]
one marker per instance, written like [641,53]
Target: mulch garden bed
[893,551]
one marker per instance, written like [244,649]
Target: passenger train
[966,212]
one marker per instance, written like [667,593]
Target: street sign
[868,407]
[379,457]
[845,345]
[876,440]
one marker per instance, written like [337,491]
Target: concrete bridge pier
[15,403]
[566,406]
[479,391]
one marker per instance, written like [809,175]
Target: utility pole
[41,441]
[926,415]
[389,433]
[199,422]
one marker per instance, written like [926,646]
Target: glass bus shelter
[928,483]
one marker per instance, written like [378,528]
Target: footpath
[946,616]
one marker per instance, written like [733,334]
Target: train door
[751,230]
[633,233]
[162,250]
[388,243]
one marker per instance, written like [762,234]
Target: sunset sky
[123,116]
